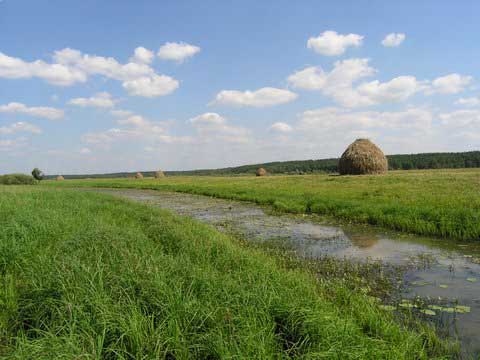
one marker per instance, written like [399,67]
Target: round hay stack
[362,157]
[159,174]
[138,175]
[261,172]
[59,178]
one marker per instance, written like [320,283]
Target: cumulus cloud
[56,74]
[101,100]
[142,56]
[178,52]
[449,84]
[338,84]
[331,43]
[213,127]
[151,86]
[72,66]
[470,101]
[121,113]
[134,128]
[20,127]
[7,145]
[393,39]
[469,118]
[281,127]
[37,111]
[263,97]
[85,151]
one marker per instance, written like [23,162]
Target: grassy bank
[442,203]
[89,276]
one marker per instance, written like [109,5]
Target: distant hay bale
[59,178]
[138,175]
[159,174]
[261,172]
[362,157]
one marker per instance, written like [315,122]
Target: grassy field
[443,203]
[86,275]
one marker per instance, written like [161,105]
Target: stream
[451,281]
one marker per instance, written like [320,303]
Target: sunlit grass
[86,275]
[442,203]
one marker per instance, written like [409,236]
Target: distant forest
[469,159]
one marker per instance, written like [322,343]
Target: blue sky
[223,83]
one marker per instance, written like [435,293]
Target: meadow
[443,203]
[86,275]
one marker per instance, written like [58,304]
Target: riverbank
[443,203]
[89,275]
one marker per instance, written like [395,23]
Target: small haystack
[159,174]
[59,178]
[138,175]
[362,157]
[261,172]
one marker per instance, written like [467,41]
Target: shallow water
[451,278]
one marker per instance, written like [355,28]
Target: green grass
[444,203]
[86,275]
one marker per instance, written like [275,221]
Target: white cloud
[151,86]
[395,90]
[281,127]
[208,119]
[462,118]
[471,101]
[263,97]
[56,74]
[85,151]
[12,144]
[72,66]
[338,84]
[102,100]
[177,51]
[212,127]
[393,39]
[142,56]
[20,127]
[331,43]
[449,84]
[38,111]
[121,113]
[337,121]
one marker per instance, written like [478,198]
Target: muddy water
[452,277]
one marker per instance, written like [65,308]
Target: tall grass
[443,203]
[92,276]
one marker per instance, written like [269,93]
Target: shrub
[17,179]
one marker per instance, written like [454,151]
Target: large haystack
[138,175]
[261,172]
[59,178]
[159,174]
[362,157]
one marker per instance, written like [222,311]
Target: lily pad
[406,305]
[420,283]
[448,309]
[443,286]
[387,307]
[435,307]
[472,279]
[428,312]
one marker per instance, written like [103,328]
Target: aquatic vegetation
[442,203]
[92,276]
[472,279]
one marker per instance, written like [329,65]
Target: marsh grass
[443,203]
[92,276]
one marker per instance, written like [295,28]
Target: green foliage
[17,179]
[37,174]
[442,203]
[96,277]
